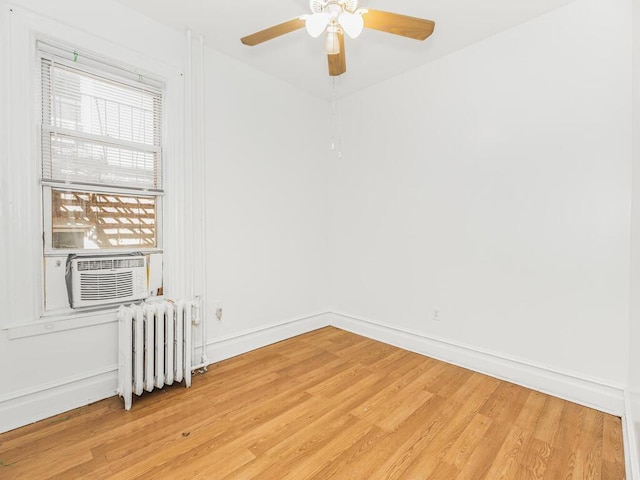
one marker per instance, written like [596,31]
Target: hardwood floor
[325,405]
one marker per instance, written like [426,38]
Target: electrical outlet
[436,315]
[218,310]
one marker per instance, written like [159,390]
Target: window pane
[88,220]
[83,161]
[86,103]
[99,131]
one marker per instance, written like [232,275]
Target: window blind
[99,129]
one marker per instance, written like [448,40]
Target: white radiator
[154,346]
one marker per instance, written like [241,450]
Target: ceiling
[374,57]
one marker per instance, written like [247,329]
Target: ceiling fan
[334,18]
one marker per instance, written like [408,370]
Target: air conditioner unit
[105,280]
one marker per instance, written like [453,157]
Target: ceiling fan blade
[403,25]
[273,32]
[338,62]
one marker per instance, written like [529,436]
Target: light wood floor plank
[324,405]
[437,438]
[467,441]
[484,456]
[350,459]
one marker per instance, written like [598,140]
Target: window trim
[23,297]
[110,70]
[127,74]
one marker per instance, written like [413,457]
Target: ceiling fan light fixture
[334,10]
[332,42]
[351,23]
[337,18]
[349,5]
[317,6]
[316,23]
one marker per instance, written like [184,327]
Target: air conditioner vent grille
[106,286]
[110,264]
[105,280]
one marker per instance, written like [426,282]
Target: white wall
[633,392]
[266,209]
[494,186]
[266,201]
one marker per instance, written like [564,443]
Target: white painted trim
[233,345]
[61,323]
[43,401]
[31,405]
[590,392]
[53,385]
[632,462]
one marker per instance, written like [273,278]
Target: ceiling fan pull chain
[339,128]
[336,120]
[339,107]
[333,113]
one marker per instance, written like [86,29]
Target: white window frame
[105,68]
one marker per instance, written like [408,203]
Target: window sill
[100,251]
[60,323]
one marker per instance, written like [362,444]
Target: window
[91,220]
[101,140]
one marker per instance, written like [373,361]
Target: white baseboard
[569,386]
[239,343]
[28,406]
[629,420]
[21,408]
[43,401]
